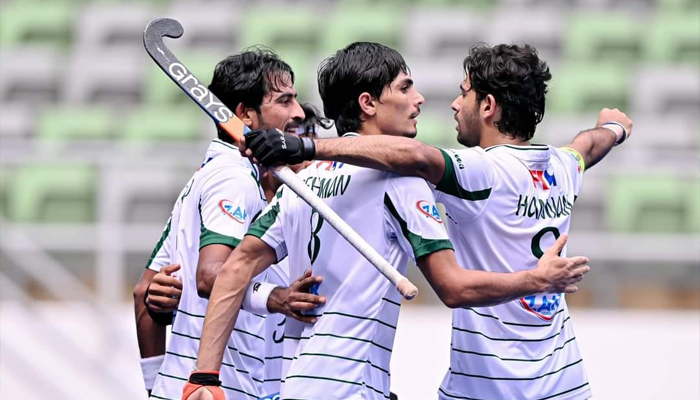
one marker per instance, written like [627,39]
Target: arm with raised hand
[458,287]
[613,128]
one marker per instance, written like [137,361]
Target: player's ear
[488,107]
[367,104]
[246,114]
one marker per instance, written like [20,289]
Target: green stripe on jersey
[264,222]
[421,246]
[208,237]
[516,379]
[515,359]
[450,185]
[513,340]
[156,249]
[543,398]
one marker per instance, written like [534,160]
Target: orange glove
[203,385]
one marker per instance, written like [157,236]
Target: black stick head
[160,27]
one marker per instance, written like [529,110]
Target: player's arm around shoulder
[591,146]
[387,153]
[458,287]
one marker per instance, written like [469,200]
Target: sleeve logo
[429,210]
[236,212]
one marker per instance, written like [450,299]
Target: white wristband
[620,132]
[149,369]
[256,295]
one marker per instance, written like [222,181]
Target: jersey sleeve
[269,226]
[160,257]
[574,164]
[227,204]
[413,218]
[467,182]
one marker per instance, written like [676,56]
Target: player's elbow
[204,288]
[139,292]
[451,301]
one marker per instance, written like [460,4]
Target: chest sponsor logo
[429,210]
[544,306]
[236,212]
[543,179]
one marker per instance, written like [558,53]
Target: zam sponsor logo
[178,72]
[429,210]
[236,212]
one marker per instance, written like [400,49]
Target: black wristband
[204,378]
[163,319]
[308,148]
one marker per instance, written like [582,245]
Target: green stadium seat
[580,87]
[351,24]
[5,174]
[678,5]
[70,123]
[436,130]
[29,21]
[673,38]
[179,123]
[285,27]
[161,90]
[608,36]
[52,193]
[653,204]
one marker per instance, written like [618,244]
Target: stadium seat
[30,75]
[350,24]
[674,38]
[5,173]
[161,90]
[105,76]
[213,27]
[291,27]
[582,87]
[691,6]
[653,203]
[437,79]
[592,36]
[65,123]
[17,121]
[544,30]
[52,193]
[664,90]
[437,129]
[442,33]
[100,25]
[165,123]
[30,21]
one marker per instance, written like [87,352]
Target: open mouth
[414,115]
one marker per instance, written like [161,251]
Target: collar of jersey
[533,146]
[350,134]
[220,148]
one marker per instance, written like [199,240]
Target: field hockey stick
[227,120]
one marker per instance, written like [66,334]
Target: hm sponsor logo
[543,179]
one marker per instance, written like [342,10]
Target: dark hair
[247,77]
[313,118]
[516,77]
[358,68]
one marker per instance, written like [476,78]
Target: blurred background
[96,143]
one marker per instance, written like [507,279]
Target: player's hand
[199,391]
[560,275]
[164,291]
[615,115]
[296,298]
[274,147]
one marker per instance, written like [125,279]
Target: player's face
[466,110]
[280,109]
[398,108]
